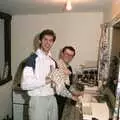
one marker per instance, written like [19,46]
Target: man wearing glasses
[66,55]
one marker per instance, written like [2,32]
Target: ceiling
[51,6]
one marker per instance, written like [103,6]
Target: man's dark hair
[70,48]
[47,32]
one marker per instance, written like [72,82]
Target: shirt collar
[40,52]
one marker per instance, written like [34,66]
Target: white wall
[107,13]
[82,30]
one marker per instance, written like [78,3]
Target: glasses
[68,54]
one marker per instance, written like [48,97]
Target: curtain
[104,52]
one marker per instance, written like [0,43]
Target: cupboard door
[20,112]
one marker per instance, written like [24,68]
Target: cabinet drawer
[20,97]
[20,112]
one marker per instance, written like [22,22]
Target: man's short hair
[70,48]
[47,32]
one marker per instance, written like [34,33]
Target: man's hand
[48,81]
[67,72]
[75,98]
[78,93]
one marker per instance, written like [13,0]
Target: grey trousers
[43,108]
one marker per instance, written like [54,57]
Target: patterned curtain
[104,52]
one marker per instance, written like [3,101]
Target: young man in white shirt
[42,105]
